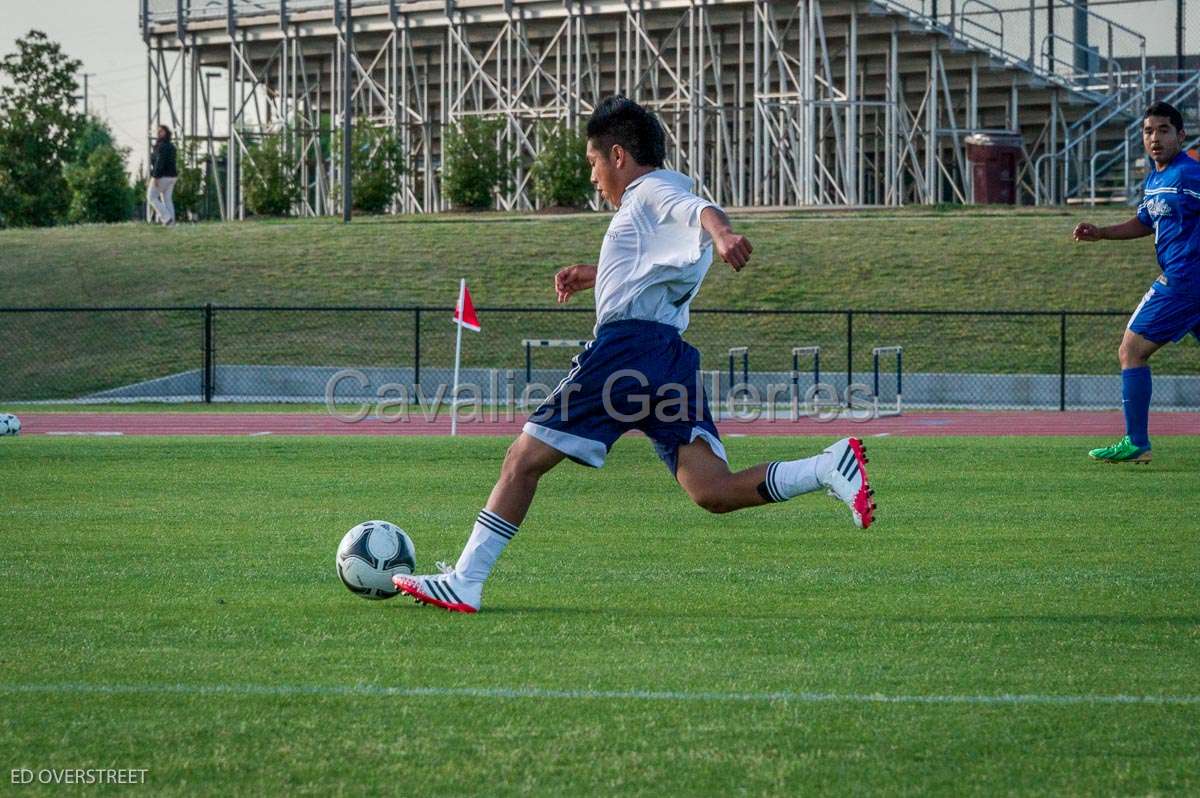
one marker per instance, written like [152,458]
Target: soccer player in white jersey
[639,373]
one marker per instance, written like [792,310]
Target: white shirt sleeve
[683,208]
[675,215]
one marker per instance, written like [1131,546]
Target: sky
[104,35]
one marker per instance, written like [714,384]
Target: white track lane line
[633,695]
[100,434]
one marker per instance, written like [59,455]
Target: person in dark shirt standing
[163,172]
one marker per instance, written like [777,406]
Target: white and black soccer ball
[371,554]
[9,424]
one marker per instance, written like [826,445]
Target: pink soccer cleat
[847,480]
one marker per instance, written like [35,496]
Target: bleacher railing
[1074,171]
[1039,37]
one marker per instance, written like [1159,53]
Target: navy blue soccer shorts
[636,375]
[1166,317]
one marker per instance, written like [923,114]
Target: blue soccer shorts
[1166,317]
[636,375]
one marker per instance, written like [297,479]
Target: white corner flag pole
[462,290]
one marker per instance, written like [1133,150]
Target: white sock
[786,479]
[491,534]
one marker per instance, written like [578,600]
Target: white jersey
[655,253]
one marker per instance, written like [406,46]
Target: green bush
[137,192]
[473,168]
[377,162]
[189,187]
[561,175]
[269,178]
[6,190]
[99,191]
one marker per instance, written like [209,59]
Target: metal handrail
[1092,167]
[1077,138]
[955,31]
[1133,131]
[1085,122]
[1050,60]
[966,17]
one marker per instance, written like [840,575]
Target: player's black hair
[1161,108]
[619,120]
[164,127]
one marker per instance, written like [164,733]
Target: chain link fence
[946,359]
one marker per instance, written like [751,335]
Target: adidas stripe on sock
[488,539]
[786,479]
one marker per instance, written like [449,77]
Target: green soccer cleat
[1123,451]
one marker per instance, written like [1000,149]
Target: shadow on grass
[517,610]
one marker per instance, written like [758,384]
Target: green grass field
[171,604]
[907,258]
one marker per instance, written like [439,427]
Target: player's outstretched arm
[574,279]
[734,249]
[1117,232]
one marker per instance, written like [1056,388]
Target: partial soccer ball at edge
[9,424]
[369,556]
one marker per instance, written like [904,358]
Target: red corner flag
[464,313]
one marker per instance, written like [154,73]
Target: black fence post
[209,373]
[1062,362]
[416,348]
[849,351]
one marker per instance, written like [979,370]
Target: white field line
[369,690]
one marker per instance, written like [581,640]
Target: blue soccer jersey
[1171,206]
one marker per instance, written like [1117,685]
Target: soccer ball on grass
[369,556]
[9,424]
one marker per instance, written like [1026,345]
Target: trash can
[994,158]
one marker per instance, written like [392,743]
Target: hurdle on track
[538,343]
[744,351]
[898,351]
[798,352]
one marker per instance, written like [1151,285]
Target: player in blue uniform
[1170,209]
[638,373]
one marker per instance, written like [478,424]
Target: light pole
[86,109]
[1179,39]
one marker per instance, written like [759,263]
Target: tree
[561,175]
[473,167]
[39,128]
[99,191]
[377,162]
[189,188]
[269,178]
[93,134]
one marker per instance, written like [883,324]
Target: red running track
[1091,424]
